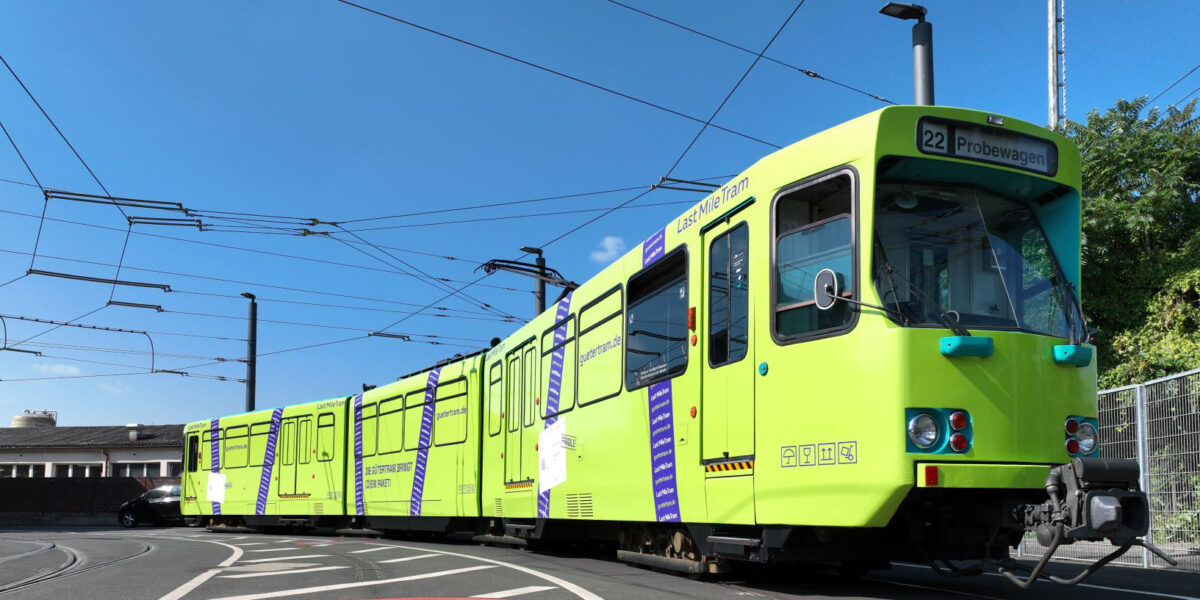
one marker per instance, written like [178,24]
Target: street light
[251,351]
[922,42]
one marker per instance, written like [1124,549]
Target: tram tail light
[939,430]
[1081,436]
[959,442]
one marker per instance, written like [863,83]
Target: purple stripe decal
[654,247]
[214,431]
[662,452]
[358,478]
[418,489]
[554,387]
[264,482]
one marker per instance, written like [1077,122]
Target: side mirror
[825,289]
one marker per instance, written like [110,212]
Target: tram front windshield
[949,247]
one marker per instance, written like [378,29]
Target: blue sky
[320,110]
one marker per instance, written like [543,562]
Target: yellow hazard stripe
[736,465]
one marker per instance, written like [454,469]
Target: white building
[109,451]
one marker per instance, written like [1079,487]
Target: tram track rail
[74,563]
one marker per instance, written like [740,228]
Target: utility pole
[251,351]
[537,270]
[1056,54]
[922,48]
[539,288]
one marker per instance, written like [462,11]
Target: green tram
[867,346]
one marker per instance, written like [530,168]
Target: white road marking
[277,550]
[283,541]
[182,590]
[278,558]
[567,585]
[357,584]
[1086,585]
[372,550]
[251,544]
[269,573]
[517,592]
[407,558]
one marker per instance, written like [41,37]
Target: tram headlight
[923,431]
[1087,437]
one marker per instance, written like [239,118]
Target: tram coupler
[1091,499]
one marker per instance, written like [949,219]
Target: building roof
[110,436]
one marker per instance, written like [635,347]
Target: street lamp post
[251,351]
[922,43]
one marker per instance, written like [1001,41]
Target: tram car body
[708,398]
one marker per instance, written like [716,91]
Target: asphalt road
[172,563]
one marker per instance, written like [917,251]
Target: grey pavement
[196,564]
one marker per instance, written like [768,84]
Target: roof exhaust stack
[922,45]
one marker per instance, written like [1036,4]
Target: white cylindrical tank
[35,418]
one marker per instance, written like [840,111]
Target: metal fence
[1156,423]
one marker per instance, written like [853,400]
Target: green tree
[1141,229]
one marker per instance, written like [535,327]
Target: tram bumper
[1091,499]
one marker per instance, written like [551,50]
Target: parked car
[159,506]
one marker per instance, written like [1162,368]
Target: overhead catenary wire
[1175,83]
[262,285]
[806,72]
[552,71]
[237,248]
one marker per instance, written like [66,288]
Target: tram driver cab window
[814,229]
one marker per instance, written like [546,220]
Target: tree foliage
[1141,229]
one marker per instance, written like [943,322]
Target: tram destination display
[987,144]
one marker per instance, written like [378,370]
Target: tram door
[727,422]
[514,402]
[286,457]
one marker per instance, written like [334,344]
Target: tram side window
[495,396]
[369,429]
[206,450]
[326,449]
[236,448]
[259,433]
[306,449]
[599,348]
[391,425]
[414,415]
[814,231]
[728,310]
[656,322]
[450,416]
[193,462]
[561,377]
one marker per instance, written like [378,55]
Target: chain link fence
[1156,423]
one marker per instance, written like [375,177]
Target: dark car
[159,506]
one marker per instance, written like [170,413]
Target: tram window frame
[604,320]
[466,416]
[547,356]
[651,277]
[414,403]
[495,423]
[727,237]
[206,450]
[512,396]
[332,436]
[257,431]
[242,432]
[846,326]
[373,418]
[385,410]
[304,432]
[193,464]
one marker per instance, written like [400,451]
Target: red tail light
[1072,427]
[958,442]
[1072,446]
[958,420]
